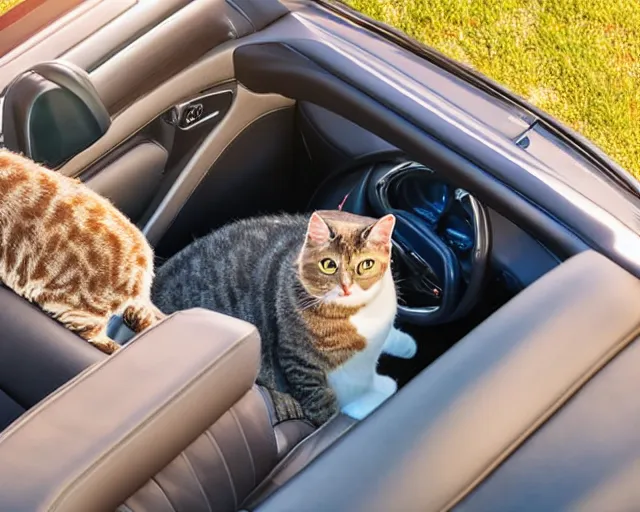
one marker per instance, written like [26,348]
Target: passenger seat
[240,459]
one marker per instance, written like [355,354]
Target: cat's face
[345,256]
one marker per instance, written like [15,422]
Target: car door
[171,111]
[145,109]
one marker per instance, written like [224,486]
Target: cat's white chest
[373,322]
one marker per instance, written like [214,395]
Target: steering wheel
[442,238]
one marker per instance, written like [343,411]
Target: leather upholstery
[52,112]
[130,180]
[300,457]
[234,455]
[95,441]
[37,356]
[234,464]
[9,410]
[259,14]
[287,433]
[586,458]
[220,469]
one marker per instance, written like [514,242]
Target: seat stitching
[246,443]
[211,368]
[195,477]
[211,438]
[166,496]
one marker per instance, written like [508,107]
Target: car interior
[191,114]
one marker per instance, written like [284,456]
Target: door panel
[246,109]
[215,69]
[132,179]
[165,50]
[88,34]
[151,79]
[159,147]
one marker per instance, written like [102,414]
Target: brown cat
[318,287]
[71,252]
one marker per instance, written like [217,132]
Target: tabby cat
[320,291]
[71,252]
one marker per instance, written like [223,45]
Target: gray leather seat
[236,460]
[37,356]
[237,463]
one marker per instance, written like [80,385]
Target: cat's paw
[400,344]
[106,345]
[384,385]
[356,410]
[365,405]
[407,346]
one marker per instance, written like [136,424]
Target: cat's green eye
[328,266]
[365,265]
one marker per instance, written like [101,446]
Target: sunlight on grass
[5,5]
[579,60]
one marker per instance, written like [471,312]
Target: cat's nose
[346,291]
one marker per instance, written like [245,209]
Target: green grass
[5,5]
[579,60]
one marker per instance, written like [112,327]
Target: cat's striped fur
[265,271]
[70,251]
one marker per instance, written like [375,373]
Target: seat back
[37,356]
[220,469]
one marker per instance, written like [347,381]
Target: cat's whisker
[311,304]
[401,300]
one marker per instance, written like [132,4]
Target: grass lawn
[579,60]
[5,5]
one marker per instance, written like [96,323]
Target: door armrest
[95,441]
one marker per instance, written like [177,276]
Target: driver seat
[243,457]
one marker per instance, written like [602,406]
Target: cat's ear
[318,233]
[380,232]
